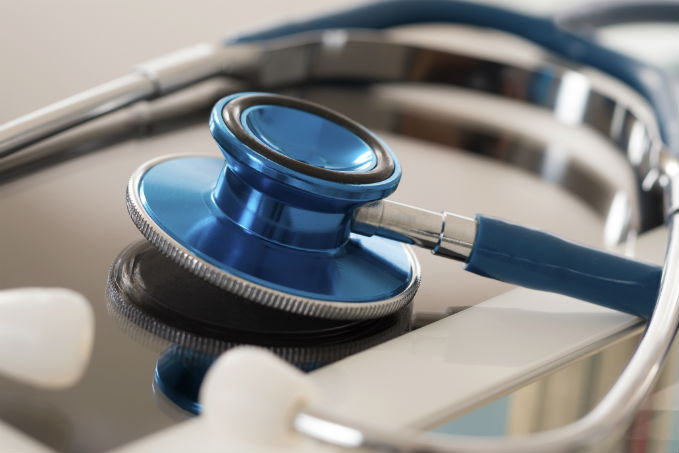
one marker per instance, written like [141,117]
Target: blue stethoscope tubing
[651,82]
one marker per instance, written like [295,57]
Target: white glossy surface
[249,397]
[467,359]
[431,374]
[197,436]
[46,335]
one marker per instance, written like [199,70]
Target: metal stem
[443,233]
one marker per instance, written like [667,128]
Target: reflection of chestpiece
[190,322]
[272,223]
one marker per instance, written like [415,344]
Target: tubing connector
[443,233]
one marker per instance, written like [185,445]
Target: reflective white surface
[479,351]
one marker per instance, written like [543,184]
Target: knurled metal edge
[253,291]
[158,336]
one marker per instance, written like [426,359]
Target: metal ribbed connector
[445,234]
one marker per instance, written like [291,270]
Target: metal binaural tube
[151,79]
[77,109]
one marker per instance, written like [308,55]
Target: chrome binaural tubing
[443,233]
[77,109]
[154,78]
[381,67]
[611,416]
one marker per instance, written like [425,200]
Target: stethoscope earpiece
[272,222]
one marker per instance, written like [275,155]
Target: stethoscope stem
[518,255]
[443,233]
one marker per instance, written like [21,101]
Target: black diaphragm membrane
[167,308]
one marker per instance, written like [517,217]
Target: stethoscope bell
[272,222]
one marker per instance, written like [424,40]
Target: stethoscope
[295,219]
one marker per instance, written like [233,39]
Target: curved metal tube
[361,57]
[573,97]
[611,415]
[154,78]
[75,110]
[365,58]
[542,31]
[588,16]
[384,108]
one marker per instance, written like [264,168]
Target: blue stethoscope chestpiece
[272,221]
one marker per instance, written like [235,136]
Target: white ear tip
[46,335]
[252,395]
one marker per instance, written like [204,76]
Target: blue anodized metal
[179,373]
[285,230]
[281,128]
